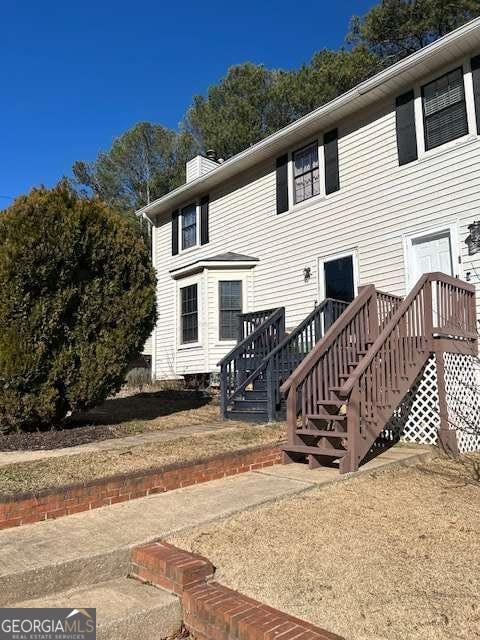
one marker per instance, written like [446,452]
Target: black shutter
[330,147]
[475,62]
[406,132]
[204,220]
[282,184]
[175,215]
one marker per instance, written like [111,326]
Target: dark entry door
[339,278]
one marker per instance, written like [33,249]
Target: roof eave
[354,99]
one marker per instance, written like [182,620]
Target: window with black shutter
[282,183]
[306,175]
[230,303]
[444,109]
[175,215]
[189,314]
[189,226]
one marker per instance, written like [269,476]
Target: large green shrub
[77,302]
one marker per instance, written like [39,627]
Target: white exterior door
[430,253]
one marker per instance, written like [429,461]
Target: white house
[376,187]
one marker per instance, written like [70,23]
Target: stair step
[322,433]
[315,451]
[325,416]
[256,404]
[126,608]
[331,403]
[255,395]
[247,416]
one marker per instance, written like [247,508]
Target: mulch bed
[110,420]
[57,439]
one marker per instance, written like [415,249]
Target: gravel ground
[389,556]
[64,470]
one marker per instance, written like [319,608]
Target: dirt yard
[389,556]
[68,469]
[124,415]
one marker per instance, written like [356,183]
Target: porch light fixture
[307,272]
[473,239]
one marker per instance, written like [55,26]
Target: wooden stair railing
[246,356]
[277,365]
[438,306]
[251,320]
[351,383]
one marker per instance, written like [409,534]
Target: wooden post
[447,438]
[271,412]
[373,317]
[428,310]
[292,437]
[350,461]
[223,391]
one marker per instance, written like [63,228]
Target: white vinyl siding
[378,205]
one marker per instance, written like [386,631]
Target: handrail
[298,330]
[237,364]
[301,372]
[289,340]
[394,321]
[251,318]
[252,336]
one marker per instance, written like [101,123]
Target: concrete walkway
[92,547]
[151,437]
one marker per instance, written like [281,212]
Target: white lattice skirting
[417,419]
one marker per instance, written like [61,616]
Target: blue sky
[74,75]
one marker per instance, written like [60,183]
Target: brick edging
[30,507]
[212,611]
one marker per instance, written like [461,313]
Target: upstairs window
[230,302]
[306,176]
[189,226]
[444,109]
[189,314]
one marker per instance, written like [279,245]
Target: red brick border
[210,610]
[26,508]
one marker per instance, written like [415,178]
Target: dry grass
[59,471]
[391,556]
[153,410]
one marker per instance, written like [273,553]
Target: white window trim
[186,282]
[221,277]
[469,103]
[408,256]
[321,273]
[296,206]
[197,228]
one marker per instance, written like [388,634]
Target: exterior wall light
[473,239]
[307,273]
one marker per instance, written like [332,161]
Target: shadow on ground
[142,406]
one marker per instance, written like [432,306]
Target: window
[230,302]
[306,176]
[444,109]
[189,314]
[189,226]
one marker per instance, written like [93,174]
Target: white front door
[430,253]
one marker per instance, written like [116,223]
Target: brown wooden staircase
[342,395]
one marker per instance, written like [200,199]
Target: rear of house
[375,188]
